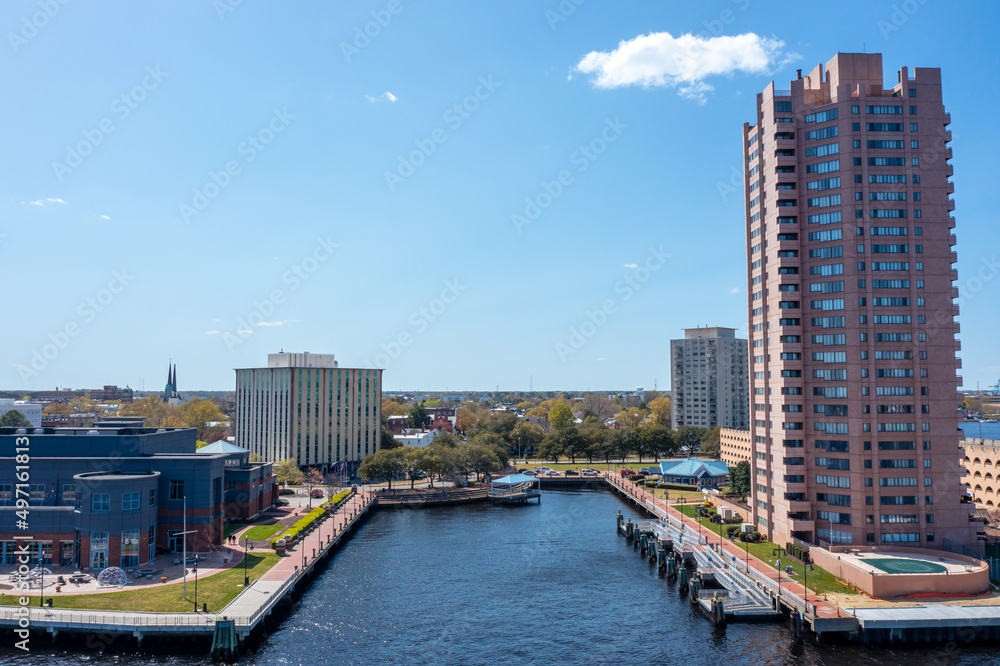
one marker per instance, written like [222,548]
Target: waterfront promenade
[811,603]
[248,609]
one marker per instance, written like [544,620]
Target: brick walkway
[823,608]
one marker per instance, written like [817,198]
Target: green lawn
[261,532]
[216,591]
[819,579]
[232,527]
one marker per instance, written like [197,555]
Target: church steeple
[171,386]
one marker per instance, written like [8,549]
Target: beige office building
[851,288]
[305,406]
[708,379]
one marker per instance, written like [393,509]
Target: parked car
[572,472]
[589,472]
[627,472]
[552,472]
[531,472]
[317,493]
[650,471]
[280,502]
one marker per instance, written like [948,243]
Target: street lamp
[779,551]
[195,569]
[247,547]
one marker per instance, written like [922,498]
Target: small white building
[417,437]
[31,410]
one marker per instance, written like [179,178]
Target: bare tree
[598,406]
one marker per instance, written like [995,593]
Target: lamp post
[195,569]
[247,547]
[779,551]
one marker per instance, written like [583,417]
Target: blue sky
[462,195]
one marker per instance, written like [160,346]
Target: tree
[739,479]
[198,413]
[385,464]
[414,462]
[501,424]
[393,408]
[466,418]
[710,441]
[689,436]
[630,417]
[287,472]
[256,458]
[659,411]
[497,443]
[550,448]
[537,411]
[595,439]
[658,441]
[446,439]
[388,441]
[526,436]
[571,443]
[483,459]
[312,478]
[598,406]
[623,442]
[14,419]
[560,416]
[417,417]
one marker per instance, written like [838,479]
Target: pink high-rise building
[853,383]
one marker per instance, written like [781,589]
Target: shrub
[309,520]
[634,478]
[730,531]
[677,486]
[650,483]
[286,491]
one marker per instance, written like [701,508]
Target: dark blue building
[113,496]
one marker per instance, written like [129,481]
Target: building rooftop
[694,467]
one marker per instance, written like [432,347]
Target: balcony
[953,240]
[795,506]
[800,525]
[947,119]
[947,136]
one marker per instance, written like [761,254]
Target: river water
[981,430]
[478,584]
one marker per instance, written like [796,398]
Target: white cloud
[387,96]
[661,60]
[104,217]
[631,266]
[212,332]
[602,359]
[734,290]
[42,202]
[277,322]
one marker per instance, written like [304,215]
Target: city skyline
[524,217]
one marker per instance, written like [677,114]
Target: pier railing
[100,618]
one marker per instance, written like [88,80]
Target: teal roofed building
[695,472]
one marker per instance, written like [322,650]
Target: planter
[163,579]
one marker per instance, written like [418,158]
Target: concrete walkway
[824,608]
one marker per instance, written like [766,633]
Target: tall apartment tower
[305,406]
[852,316]
[708,379]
